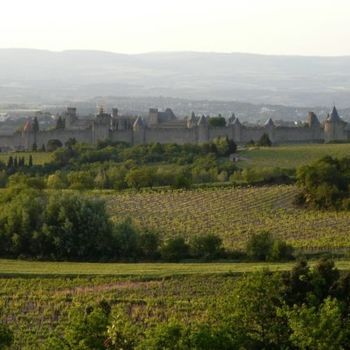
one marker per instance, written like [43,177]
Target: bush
[53,144]
[174,249]
[6,337]
[264,247]
[207,247]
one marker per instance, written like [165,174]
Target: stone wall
[197,134]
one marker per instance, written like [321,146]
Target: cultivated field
[234,214]
[34,305]
[291,156]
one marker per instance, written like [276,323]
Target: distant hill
[48,77]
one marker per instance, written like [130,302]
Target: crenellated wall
[174,132]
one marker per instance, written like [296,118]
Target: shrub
[6,337]
[53,144]
[264,247]
[174,249]
[207,247]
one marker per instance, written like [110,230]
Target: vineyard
[33,307]
[290,156]
[234,214]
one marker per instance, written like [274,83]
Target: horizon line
[179,52]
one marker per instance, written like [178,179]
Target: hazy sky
[309,27]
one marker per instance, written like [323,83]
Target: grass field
[38,157]
[291,156]
[26,268]
[20,268]
[234,214]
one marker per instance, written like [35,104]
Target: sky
[297,27]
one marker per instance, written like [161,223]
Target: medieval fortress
[165,127]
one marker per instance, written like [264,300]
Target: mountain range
[46,77]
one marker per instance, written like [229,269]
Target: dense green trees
[218,121]
[57,226]
[325,184]
[118,166]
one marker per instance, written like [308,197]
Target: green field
[21,268]
[38,157]
[290,156]
[234,214]
[39,298]
[26,268]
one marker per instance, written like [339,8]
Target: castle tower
[153,117]
[101,126]
[70,117]
[312,120]
[236,130]
[314,124]
[203,130]
[231,119]
[269,126]
[191,121]
[334,127]
[28,134]
[139,131]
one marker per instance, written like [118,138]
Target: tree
[264,247]
[85,330]
[10,162]
[71,142]
[207,247]
[314,329]
[174,249]
[218,121]
[53,144]
[122,334]
[140,177]
[252,312]
[264,141]
[125,240]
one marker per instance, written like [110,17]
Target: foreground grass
[290,156]
[30,269]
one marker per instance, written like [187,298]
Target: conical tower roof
[334,116]
[139,123]
[312,119]
[202,120]
[269,123]
[236,122]
[231,119]
[28,126]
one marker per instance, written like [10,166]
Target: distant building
[165,127]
